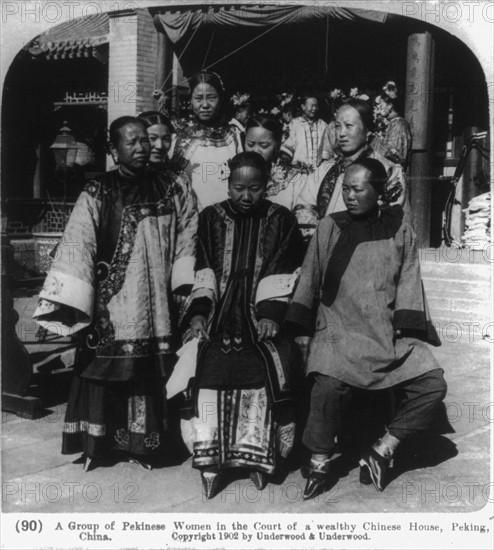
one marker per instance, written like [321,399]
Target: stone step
[479,290]
[457,272]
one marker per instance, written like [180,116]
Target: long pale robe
[203,153]
[303,140]
[352,296]
[126,246]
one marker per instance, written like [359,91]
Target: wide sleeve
[301,316]
[66,300]
[398,142]
[411,312]
[289,145]
[185,248]
[204,293]
[395,191]
[278,281]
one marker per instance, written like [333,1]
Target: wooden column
[418,111]
[164,63]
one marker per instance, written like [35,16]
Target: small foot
[144,465]
[210,484]
[259,480]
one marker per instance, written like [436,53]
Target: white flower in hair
[240,100]
[390,89]
[336,93]
[353,92]
[275,111]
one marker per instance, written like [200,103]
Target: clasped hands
[266,329]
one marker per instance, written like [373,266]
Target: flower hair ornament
[390,89]
[285,98]
[240,100]
[357,94]
[162,99]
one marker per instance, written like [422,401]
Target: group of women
[210,245]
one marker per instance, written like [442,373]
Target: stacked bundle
[478,222]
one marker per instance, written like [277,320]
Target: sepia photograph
[246,274]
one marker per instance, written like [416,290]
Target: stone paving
[448,473]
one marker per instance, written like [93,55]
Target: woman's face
[205,102]
[383,107]
[262,141]
[246,187]
[132,149]
[310,108]
[359,195]
[350,131]
[160,138]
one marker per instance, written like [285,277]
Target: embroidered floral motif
[122,437]
[153,441]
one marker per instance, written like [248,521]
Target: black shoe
[259,480]
[318,479]
[378,467]
[144,465]
[364,476]
[210,484]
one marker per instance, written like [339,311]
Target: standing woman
[132,236]
[204,148]
[285,184]
[353,127]
[395,140]
[249,249]
[160,133]
[305,133]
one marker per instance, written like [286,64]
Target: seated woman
[360,297]
[248,251]
[285,184]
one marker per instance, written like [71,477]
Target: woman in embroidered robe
[286,182]
[129,243]
[161,136]
[204,148]
[395,143]
[353,126]
[305,133]
[248,251]
[360,297]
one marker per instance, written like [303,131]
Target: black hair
[364,110]
[151,118]
[248,159]
[379,176]
[119,123]
[206,77]
[267,122]
[307,94]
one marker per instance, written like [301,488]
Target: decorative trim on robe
[183,272]
[276,287]
[67,290]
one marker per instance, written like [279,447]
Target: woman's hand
[199,327]
[267,329]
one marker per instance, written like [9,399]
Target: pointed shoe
[364,476]
[210,484]
[259,480]
[378,467]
